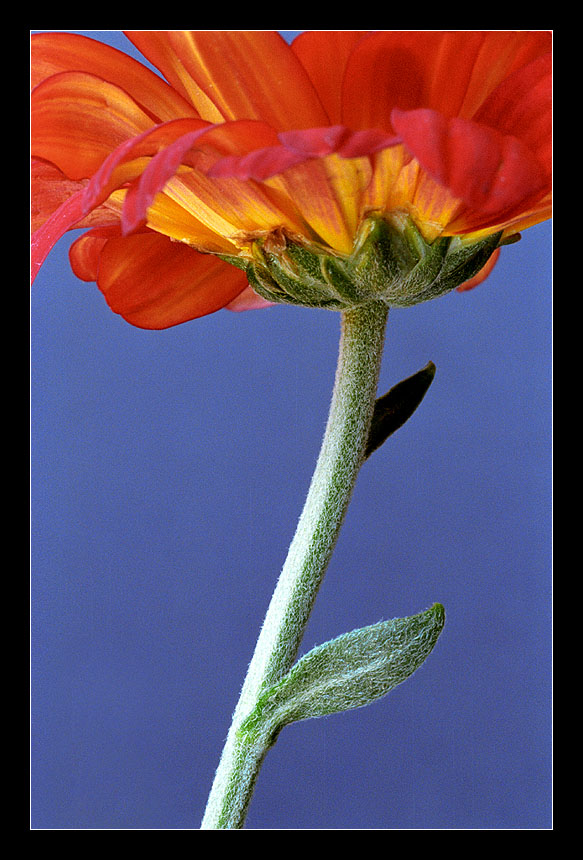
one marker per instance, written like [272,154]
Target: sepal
[390,262]
[345,673]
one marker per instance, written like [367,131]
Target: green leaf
[396,407]
[345,673]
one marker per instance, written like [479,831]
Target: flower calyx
[391,262]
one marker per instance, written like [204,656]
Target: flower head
[302,169]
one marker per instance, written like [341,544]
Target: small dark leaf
[396,407]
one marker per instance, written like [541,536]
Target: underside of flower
[315,167]
[391,262]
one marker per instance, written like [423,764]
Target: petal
[259,165]
[389,69]
[295,147]
[248,300]
[85,252]
[117,168]
[321,172]
[64,218]
[522,106]
[176,219]
[77,120]
[501,54]
[236,211]
[59,206]
[542,210]
[235,74]
[156,46]
[451,72]
[328,192]
[535,213]
[50,188]
[52,53]
[228,208]
[324,54]
[316,142]
[395,175]
[154,283]
[482,274]
[165,164]
[491,173]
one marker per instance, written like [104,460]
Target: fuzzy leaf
[348,672]
[396,407]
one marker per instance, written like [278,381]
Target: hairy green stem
[341,456]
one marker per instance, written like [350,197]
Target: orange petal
[502,53]
[324,54]
[78,119]
[535,213]
[85,252]
[227,208]
[52,53]
[182,225]
[389,69]
[235,210]
[235,74]
[227,137]
[522,106]
[469,64]
[154,283]
[451,72]
[328,192]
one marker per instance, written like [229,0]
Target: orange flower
[250,150]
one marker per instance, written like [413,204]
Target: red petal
[450,72]
[317,142]
[259,164]
[501,55]
[389,69]
[64,218]
[154,283]
[492,173]
[299,146]
[161,168]
[58,206]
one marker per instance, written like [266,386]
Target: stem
[341,456]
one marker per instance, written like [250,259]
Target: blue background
[168,472]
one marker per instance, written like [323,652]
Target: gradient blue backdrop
[168,471]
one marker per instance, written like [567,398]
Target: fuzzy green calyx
[390,262]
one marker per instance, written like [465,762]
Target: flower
[250,156]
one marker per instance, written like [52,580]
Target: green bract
[391,261]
